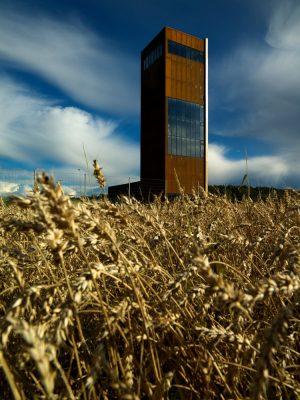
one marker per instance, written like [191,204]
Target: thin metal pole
[206,115]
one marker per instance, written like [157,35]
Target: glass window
[193,111]
[184,147]
[201,132]
[179,128]
[188,147]
[187,113]
[192,54]
[202,149]
[201,114]
[173,126]
[170,145]
[193,129]
[197,113]
[198,130]
[197,153]
[185,51]
[178,146]
[188,128]
[171,107]
[177,109]
[182,51]
[175,48]
[152,56]
[193,148]
[182,111]
[171,47]
[185,129]
[173,146]
[188,52]
[174,108]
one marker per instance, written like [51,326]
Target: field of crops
[198,298]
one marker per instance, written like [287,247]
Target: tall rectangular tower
[174,117]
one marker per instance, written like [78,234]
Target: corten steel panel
[187,83]
[189,171]
[184,38]
[187,80]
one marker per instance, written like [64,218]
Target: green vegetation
[240,192]
[197,298]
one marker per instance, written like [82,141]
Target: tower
[174,117]
[174,112]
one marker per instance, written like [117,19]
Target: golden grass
[192,299]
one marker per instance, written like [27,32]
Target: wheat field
[198,298]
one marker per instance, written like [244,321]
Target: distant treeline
[239,192]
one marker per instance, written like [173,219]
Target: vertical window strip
[185,128]
[154,55]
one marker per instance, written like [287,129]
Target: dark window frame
[184,51]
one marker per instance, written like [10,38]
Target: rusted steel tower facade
[174,112]
[174,117]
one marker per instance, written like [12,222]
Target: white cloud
[14,189]
[284,26]
[69,191]
[36,132]
[259,82]
[258,89]
[8,187]
[262,171]
[88,68]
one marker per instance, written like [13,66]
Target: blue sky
[70,84]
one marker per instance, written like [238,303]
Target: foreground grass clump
[192,299]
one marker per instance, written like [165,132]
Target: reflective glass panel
[173,146]
[185,129]
[178,146]
[202,149]
[169,144]
[202,114]
[197,145]
[198,130]
[184,147]
[185,51]
[201,132]
[193,148]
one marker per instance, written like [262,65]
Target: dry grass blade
[188,299]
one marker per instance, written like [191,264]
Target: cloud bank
[262,170]
[258,89]
[84,66]
[36,132]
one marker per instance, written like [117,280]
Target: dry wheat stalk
[187,299]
